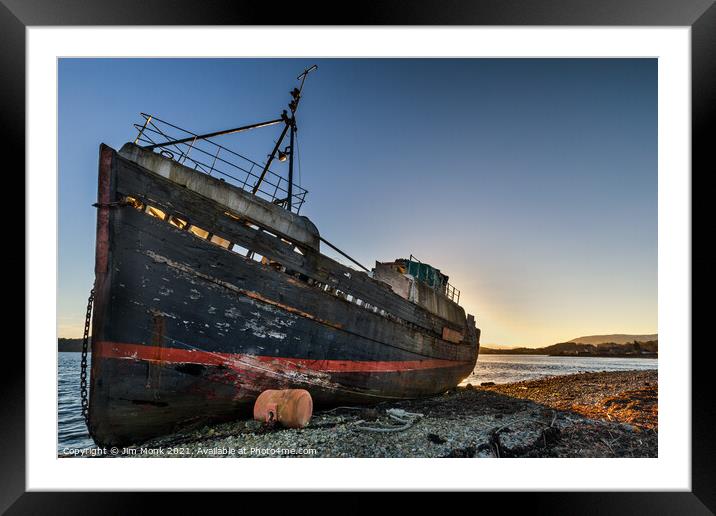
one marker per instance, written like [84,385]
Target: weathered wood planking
[211,264]
[136,181]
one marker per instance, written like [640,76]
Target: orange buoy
[292,408]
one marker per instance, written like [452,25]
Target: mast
[289,197]
[290,125]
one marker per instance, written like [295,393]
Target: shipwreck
[210,288]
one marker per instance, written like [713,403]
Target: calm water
[72,431]
[490,368]
[515,368]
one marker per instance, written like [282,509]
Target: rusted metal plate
[451,335]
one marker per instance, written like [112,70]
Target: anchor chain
[83,366]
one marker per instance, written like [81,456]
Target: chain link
[83,373]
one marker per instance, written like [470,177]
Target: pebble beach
[603,414]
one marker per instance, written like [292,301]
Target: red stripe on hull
[240,362]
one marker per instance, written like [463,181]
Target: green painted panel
[425,273]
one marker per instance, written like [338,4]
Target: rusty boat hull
[187,329]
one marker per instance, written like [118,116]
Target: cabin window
[201,233]
[220,241]
[177,222]
[134,203]
[156,212]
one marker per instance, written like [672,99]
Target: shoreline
[604,355]
[606,414]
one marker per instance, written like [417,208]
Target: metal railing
[444,287]
[209,157]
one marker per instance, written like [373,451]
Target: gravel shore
[608,414]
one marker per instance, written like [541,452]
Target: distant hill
[74,345]
[617,338]
[487,350]
[603,345]
[497,346]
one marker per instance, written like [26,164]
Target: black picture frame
[700,15]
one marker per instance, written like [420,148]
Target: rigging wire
[298,156]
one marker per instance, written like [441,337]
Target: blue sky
[531,182]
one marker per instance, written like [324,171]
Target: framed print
[453,231]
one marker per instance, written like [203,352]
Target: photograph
[357,257]
[420,248]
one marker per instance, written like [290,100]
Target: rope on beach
[342,408]
[406,420]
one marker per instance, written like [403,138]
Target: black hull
[186,331]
